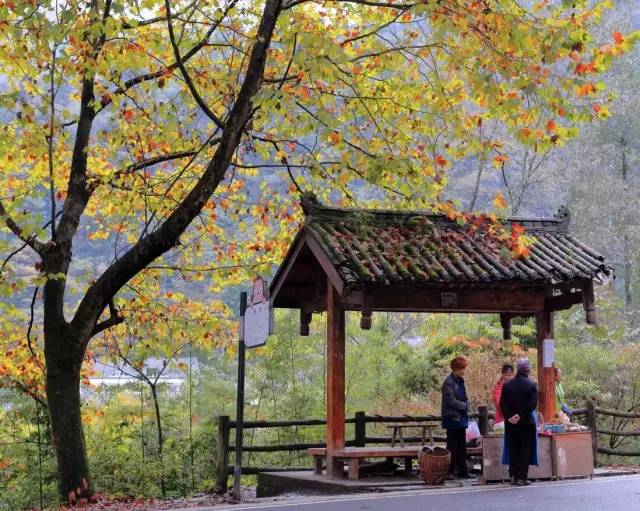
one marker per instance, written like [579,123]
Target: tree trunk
[476,189]
[628,276]
[156,405]
[63,397]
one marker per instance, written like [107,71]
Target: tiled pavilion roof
[413,248]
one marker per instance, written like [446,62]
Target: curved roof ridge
[314,208]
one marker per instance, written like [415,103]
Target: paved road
[602,494]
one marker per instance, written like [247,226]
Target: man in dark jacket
[455,418]
[518,402]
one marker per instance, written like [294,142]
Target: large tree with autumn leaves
[156,136]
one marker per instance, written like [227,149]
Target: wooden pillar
[222,458]
[505,322]
[483,419]
[305,319]
[360,429]
[592,422]
[589,302]
[335,379]
[546,382]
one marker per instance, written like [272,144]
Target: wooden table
[397,432]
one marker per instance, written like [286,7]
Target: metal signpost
[256,323]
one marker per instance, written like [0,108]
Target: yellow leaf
[499,202]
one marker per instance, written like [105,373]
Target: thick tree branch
[114,319]
[33,395]
[78,193]
[204,269]
[370,3]
[31,241]
[167,235]
[157,19]
[162,72]
[50,141]
[22,247]
[185,74]
[150,162]
[36,360]
[372,32]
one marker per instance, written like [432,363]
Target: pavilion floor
[271,484]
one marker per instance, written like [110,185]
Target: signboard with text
[548,352]
[258,317]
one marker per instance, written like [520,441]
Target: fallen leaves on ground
[104,502]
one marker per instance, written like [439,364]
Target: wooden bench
[354,456]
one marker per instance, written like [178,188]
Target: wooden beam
[589,302]
[335,379]
[516,302]
[563,301]
[286,265]
[546,382]
[327,265]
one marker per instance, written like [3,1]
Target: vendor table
[573,454]
[560,455]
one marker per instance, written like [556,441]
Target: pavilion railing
[359,420]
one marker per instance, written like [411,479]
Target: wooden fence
[590,412]
[359,420]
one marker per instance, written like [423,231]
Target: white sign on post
[548,352]
[258,318]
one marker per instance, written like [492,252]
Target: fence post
[483,419]
[222,459]
[593,426]
[360,429]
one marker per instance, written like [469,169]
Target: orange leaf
[551,125]
[441,161]
[305,93]
[586,89]
[501,158]
[583,68]
[128,115]
[618,37]
[525,132]
[517,230]
[520,252]
[335,138]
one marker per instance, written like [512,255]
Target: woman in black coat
[518,403]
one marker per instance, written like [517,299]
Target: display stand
[562,455]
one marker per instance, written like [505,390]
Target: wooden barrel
[434,464]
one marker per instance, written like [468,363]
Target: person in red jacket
[507,375]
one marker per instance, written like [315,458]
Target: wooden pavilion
[372,260]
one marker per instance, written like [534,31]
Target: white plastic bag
[473,431]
